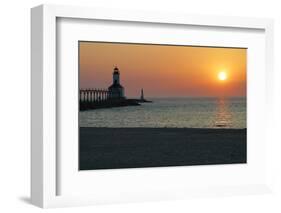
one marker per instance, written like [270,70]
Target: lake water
[172,112]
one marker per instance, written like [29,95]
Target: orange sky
[164,70]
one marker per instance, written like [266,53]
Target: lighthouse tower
[116,91]
[116,76]
[142,96]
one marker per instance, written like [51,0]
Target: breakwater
[99,98]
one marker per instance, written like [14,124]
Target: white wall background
[15,103]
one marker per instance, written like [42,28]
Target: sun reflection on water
[223,115]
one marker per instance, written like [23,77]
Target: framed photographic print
[131,106]
[163,108]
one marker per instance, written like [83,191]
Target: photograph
[158,105]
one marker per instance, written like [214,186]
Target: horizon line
[219,96]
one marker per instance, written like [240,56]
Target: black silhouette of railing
[100,98]
[94,95]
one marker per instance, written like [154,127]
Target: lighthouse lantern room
[116,90]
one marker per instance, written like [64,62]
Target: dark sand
[111,148]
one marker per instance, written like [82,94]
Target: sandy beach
[109,148]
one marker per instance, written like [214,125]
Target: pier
[114,96]
[100,98]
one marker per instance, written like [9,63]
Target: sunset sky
[164,70]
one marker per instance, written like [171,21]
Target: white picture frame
[44,148]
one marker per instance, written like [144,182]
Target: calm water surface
[172,112]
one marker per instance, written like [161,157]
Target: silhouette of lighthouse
[142,96]
[116,90]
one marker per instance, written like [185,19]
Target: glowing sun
[222,76]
